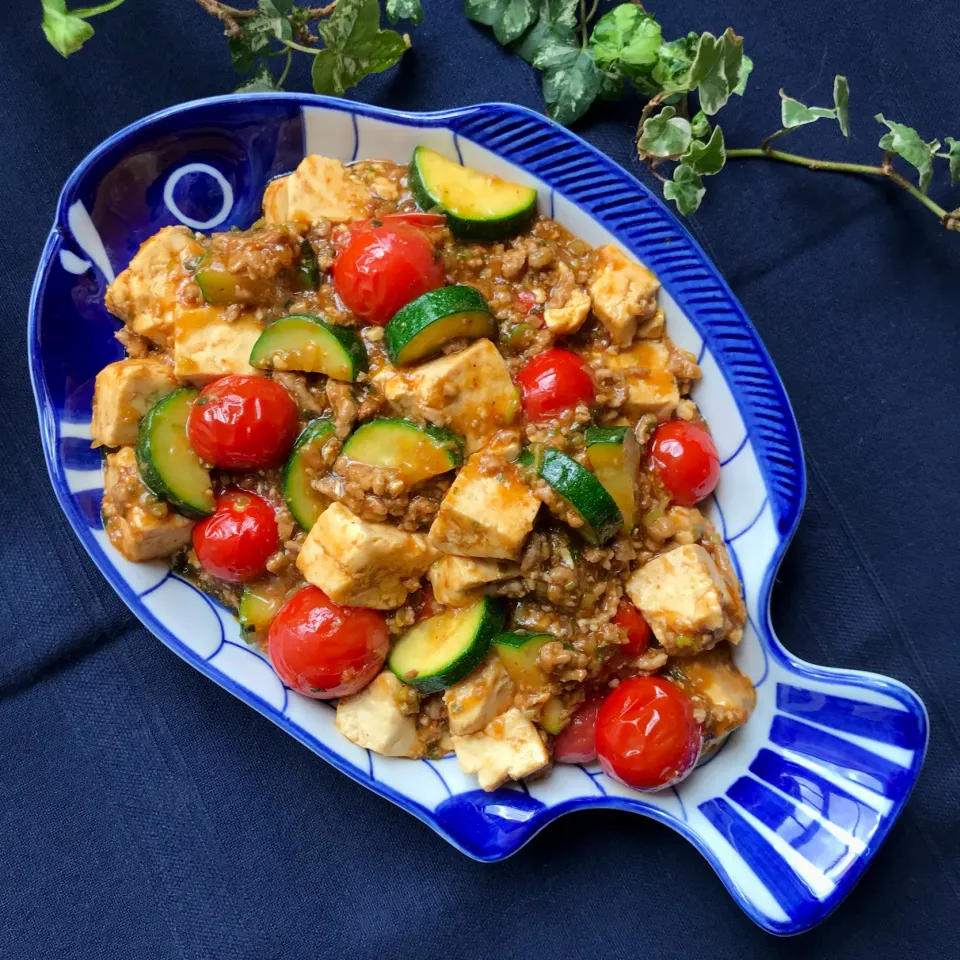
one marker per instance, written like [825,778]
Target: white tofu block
[651,387]
[123,392]
[145,295]
[624,294]
[479,698]
[485,515]
[382,717]
[319,189]
[684,598]
[508,748]
[139,525]
[460,581]
[207,345]
[363,564]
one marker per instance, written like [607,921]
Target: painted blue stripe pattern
[802,814]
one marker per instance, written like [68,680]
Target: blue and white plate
[791,810]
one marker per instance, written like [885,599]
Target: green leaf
[686,189]
[907,143]
[405,10]
[715,72]
[571,78]
[626,38]
[613,85]
[559,15]
[700,126]
[262,81]
[532,42]
[953,156]
[664,134]
[706,158]
[746,68]
[509,18]
[672,71]
[794,114]
[841,103]
[356,47]
[65,31]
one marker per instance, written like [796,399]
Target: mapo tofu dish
[439,457]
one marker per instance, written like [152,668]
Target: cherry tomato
[647,736]
[417,219]
[324,650]
[554,381]
[638,630]
[576,742]
[383,268]
[686,460]
[243,423]
[235,542]
[427,605]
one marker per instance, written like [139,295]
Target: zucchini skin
[451,443]
[354,353]
[292,473]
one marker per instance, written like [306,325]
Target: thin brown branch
[229,16]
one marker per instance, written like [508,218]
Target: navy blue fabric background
[146,813]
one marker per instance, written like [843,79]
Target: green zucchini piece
[415,452]
[479,206]
[519,653]
[259,604]
[306,343]
[168,464]
[422,327]
[582,491]
[614,454]
[308,272]
[303,501]
[444,649]
[554,716]
[219,286]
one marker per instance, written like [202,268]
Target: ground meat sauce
[559,585]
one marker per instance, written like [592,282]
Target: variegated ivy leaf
[67,30]
[509,18]
[953,156]
[263,80]
[571,78]
[706,158]
[841,103]
[686,189]
[746,68]
[907,143]
[672,71]
[405,10]
[700,126]
[794,114]
[715,72]
[556,19]
[627,40]
[665,134]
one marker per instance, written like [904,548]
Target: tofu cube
[568,318]
[508,748]
[319,189]
[363,564]
[651,387]
[145,295]
[207,345]
[139,525]
[382,718]
[461,581]
[714,680]
[624,294]
[479,698]
[685,599]
[469,392]
[123,392]
[485,515]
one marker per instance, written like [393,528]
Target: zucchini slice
[168,464]
[554,716]
[479,206]
[308,271]
[519,653]
[415,452]
[259,604]
[303,501]
[614,454]
[219,286]
[421,328]
[306,343]
[444,649]
[582,491]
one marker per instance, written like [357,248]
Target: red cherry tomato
[576,742]
[554,381]
[686,460]
[638,630]
[417,219]
[324,650]
[383,268]
[243,423]
[647,736]
[427,605]
[235,542]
